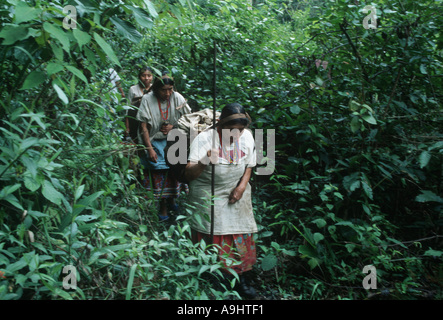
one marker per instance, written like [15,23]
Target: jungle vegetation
[357,114]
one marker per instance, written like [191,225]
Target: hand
[236,194]
[165,128]
[152,155]
[213,155]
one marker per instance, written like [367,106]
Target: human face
[146,78]
[165,92]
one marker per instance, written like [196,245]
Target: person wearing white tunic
[116,84]
[159,110]
[231,148]
[134,96]
[115,89]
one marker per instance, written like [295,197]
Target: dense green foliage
[359,147]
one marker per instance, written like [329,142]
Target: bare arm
[237,193]
[118,84]
[127,126]
[147,141]
[194,169]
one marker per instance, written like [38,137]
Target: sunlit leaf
[127,30]
[50,193]
[106,48]
[24,13]
[60,93]
[58,33]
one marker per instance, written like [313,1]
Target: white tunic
[134,92]
[149,112]
[236,218]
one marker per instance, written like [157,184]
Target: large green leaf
[428,196]
[369,118]
[269,262]
[79,192]
[86,202]
[34,79]
[29,142]
[106,48]
[367,189]
[318,237]
[151,8]
[424,158]
[50,193]
[355,124]
[31,183]
[142,17]
[61,94]
[127,30]
[54,67]
[24,13]
[13,33]
[77,73]
[57,50]
[433,253]
[81,37]
[130,281]
[352,181]
[307,250]
[57,32]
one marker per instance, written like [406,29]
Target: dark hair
[231,109]
[159,82]
[143,70]
[140,72]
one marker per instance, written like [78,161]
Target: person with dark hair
[135,95]
[159,110]
[231,148]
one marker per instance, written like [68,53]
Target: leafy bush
[357,187]
[69,189]
[358,148]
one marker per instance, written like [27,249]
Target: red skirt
[163,185]
[237,247]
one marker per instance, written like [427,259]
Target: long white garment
[149,112]
[135,91]
[114,77]
[237,218]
